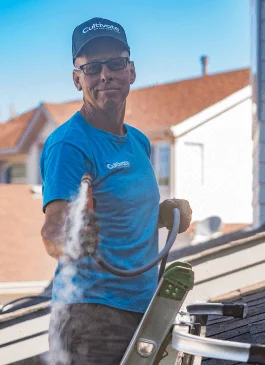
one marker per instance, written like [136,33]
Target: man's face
[108,89]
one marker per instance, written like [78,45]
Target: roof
[23,256]
[224,263]
[63,111]
[24,335]
[151,109]
[207,246]
[12,131]
[163,106]
[250,329]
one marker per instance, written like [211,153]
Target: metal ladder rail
[199,315]
[158,319]
[236,310]
[217,349]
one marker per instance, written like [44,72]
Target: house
[222,264]
[200,132]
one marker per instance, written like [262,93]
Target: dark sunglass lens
[117,64]
[93,68]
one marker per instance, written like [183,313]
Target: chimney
[258,110]
[204,61]
[12,111]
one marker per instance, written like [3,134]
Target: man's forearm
[54,243]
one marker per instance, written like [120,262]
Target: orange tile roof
[149,109]
[12,131]
[62,112]
[23,256]
[169,104]
[162,106]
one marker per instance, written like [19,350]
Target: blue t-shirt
[127,195]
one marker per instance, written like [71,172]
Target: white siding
[213,166]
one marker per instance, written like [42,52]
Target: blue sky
[167,38]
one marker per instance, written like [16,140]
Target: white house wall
[226,189]
[33,159]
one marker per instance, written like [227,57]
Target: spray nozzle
[87,179]
[91,201]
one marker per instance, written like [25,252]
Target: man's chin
[110,105]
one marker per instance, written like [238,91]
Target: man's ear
[132,73]
[76,80]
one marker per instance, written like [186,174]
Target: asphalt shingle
[250,329]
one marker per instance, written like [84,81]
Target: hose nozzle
[86,179]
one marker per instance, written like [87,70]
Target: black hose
[163,263]
[124,273]
[140,270]
[33,297]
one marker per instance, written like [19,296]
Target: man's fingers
[185,214]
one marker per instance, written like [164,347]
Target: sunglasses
[113,64]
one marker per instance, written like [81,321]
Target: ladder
[158,319]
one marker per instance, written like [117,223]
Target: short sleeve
[147,145]
[148,148]
[62,168]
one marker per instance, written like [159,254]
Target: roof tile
[169,104]
[12,131]
[249,330]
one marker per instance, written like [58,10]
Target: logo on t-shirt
[114,165]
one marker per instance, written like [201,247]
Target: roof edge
[190,78]
[211,112]
[23,287]
[25,311]
[18,147]
[236,294]
[236,245]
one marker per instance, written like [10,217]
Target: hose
[128,273]
[123,273]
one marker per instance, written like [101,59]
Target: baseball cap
[95,28]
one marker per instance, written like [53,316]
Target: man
[96,313]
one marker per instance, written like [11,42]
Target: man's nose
[106,74]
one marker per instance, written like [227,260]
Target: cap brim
[100,36]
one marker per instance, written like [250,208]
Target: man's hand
[166,216]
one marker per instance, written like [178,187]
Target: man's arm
[52,231]
[57,235]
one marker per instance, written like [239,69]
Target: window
[194,159]
[16,174]
[164,164]
[160,159]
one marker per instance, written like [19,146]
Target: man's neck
[111,121]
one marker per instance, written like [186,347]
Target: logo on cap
[97,26]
